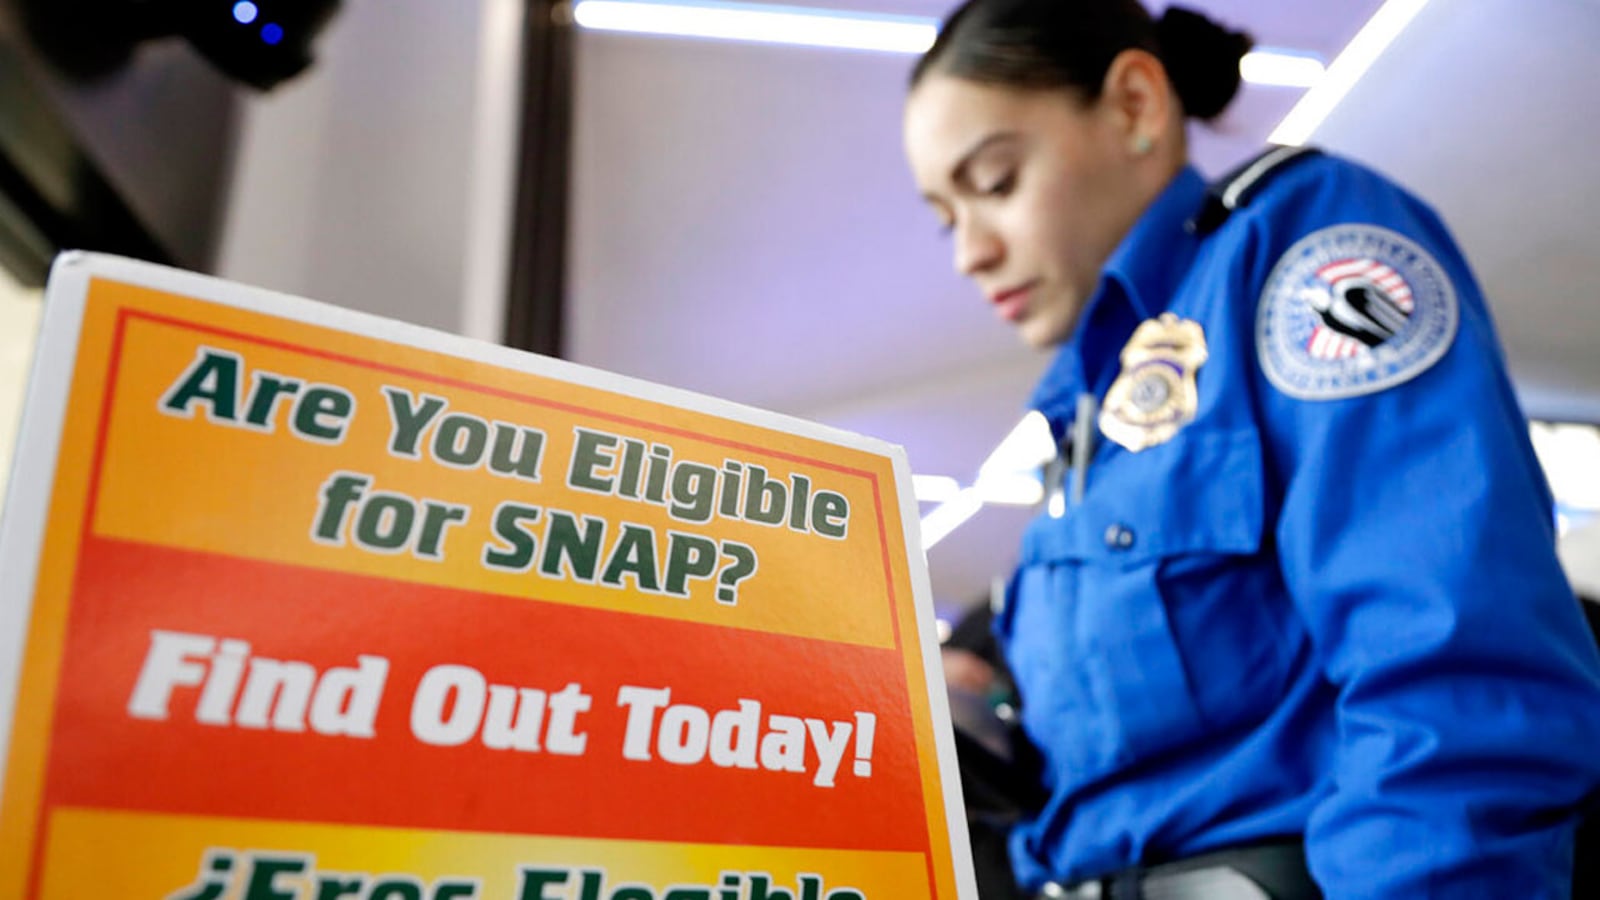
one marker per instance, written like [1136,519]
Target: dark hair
[1071,43]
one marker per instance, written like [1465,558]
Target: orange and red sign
[307,604]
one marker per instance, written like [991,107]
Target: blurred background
[605,182]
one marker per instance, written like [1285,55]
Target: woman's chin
[1042,332]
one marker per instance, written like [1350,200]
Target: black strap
[1237,187]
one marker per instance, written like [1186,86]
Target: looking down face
[1034,188]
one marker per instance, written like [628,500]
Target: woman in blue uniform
[1303,593]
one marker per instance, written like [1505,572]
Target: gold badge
[1155,394]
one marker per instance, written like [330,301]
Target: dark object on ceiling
[130,158]
[261,43]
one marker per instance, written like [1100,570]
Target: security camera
[261,43]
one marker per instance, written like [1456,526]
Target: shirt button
[1119,537]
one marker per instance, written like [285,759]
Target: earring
[1142,145]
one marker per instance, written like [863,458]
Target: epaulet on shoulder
[1237,187]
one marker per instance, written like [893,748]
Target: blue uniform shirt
[1329,605]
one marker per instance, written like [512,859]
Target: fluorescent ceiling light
[1009,476]
[760,23]
[1570,457]
[934,488]
[1281,68]
[1028,446]
[1368,44]
[1010,489]
[765,23]
[949,516]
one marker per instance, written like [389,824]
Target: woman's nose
[976,248]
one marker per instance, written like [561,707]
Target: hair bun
[1202,58]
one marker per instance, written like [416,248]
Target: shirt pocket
[1150,616]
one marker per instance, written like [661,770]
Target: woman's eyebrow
[959,170]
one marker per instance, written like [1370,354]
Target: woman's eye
[999,187]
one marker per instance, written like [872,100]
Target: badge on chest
[1155,393]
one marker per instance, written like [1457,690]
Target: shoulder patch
[1352,310]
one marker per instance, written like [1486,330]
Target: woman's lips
[1010,304]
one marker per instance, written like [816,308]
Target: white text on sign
[222,682]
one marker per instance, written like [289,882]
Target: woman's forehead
[946,118]
[953,101]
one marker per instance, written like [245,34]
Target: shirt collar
[1137,283]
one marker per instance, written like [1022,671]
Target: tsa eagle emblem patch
[1155,394]
[1352,310]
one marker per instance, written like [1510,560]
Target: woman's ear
[1138,97]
